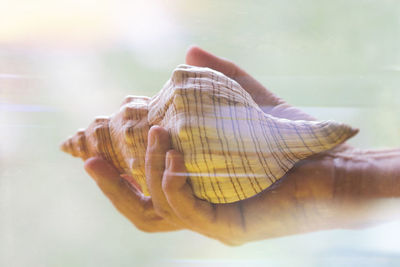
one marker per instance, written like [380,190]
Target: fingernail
[95,178]
[168,161]
[92,174]
[152,140]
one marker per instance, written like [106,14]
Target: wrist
[367,174]
[366,183]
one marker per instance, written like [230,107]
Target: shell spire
[76,145]
[232,149]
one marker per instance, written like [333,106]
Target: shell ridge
[234,134]
[110,149]
[243,156]
[217,128]
[130,138]
[273,148]
[293,159]
[203,183]
[257,145]
[312,132]
[143,143]
[202,129]
[225,139]
[252,171]
[189,133]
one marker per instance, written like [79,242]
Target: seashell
[232,149]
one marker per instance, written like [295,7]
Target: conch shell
[232,149]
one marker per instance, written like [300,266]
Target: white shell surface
[232,149]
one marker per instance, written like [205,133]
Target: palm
[285,208]
[289,205]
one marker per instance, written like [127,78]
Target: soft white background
[64,62]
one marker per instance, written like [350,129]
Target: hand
[138,208]
[330,190]
[170,210]
[238,222]
[126,198]
[322,192]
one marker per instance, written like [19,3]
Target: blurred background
[64,62]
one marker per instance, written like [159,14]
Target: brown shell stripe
[103,145]
[257,145]
[227,143]
[116,157]
[302,140]
[293,158]
[141,141]
[327,133]
[71,147]
[253,134]
[82,144]
[243,156]
[243,148]
[176,110]
[199,128]
[311,131]
[133,136]
[266,135]
[277,133]
[193,147]
[339,135]
[209,149]
[205,135]
[232,103]
[260,156]
[179,142]
[177,136]
[220,139]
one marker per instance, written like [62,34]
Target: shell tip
[353,132]
[65,146]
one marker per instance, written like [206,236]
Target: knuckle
[233,239]
[232,68]
[232,243]
[162,212]
[166,184]
[147,228]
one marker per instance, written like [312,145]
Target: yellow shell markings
[232,149]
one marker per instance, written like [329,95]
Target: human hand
[155,213]
[319,193]
[326,191]
[127,199]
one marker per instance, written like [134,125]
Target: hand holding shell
[232,149]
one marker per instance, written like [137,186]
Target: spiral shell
[232,149]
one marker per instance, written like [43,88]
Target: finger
[199,57]
[157,147]
[109,181]
[126,199]
[199,214]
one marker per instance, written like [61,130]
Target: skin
[341,188]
